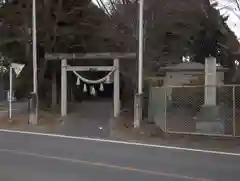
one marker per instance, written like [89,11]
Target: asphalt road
[26,157]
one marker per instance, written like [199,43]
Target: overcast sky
[229,7]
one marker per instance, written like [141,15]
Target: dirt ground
[47,120]
[151,135]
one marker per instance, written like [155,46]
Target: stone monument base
[209,121]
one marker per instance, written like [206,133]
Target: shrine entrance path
[88,118]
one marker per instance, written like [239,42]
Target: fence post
[116,89]
[64,88]
[234,110]
[165,110]
[10,95]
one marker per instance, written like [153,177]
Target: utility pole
[139,95]
[34,112]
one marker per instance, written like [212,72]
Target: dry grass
[20,120]
[149,134]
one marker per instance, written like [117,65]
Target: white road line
[106,165]
[121,142]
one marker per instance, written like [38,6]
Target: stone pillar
[207,120]
[210,92]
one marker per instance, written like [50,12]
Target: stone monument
[208,120]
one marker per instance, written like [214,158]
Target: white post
[140,48]
[116,93]
[34,52]
[34,44]
[138,96]
[10,93]
[64,88]
[210,81]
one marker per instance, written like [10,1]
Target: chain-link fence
[236,109]
[212,110]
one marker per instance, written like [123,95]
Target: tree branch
[101,4]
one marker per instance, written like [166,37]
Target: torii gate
[78,56]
